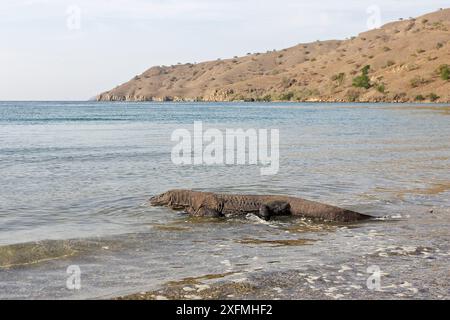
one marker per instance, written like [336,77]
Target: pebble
[405,285]
[344,268]
[226,263]
[357,287]
[414,290]
[188,289]
[202,287]
[240,280]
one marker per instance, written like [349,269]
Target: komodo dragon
[208,204]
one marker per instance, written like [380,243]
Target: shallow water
[76,177]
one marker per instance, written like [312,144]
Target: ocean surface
[75,178]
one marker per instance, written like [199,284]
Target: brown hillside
[406,60]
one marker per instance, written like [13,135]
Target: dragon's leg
[206,212]
[274,208]
[280,208]
[264,212]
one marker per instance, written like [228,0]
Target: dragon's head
[161,199]
[172,197]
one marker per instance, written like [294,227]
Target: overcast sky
[72,50]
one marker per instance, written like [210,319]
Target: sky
[73,50]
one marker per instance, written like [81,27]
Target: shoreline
[444,104]
[330,101]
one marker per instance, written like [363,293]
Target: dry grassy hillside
[409,61]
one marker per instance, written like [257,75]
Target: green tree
[444,72]
[365,70]
[363,80]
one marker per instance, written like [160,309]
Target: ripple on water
[31,253]
[277,242]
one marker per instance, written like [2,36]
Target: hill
[403,61]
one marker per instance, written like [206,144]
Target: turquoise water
[76,176]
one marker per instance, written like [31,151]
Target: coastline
[106,98]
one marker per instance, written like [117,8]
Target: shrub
[381,88]
[286,96]
[339,78]
[389,63]
[363,80]
[439,45]
[433,96]
[419,98]
[386,49]
[417,81]
[399,96]
[444,72]
[352,95]
[286,82]
[420,50]
[365,70]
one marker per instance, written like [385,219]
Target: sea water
[75,179]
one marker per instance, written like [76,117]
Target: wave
[29,253]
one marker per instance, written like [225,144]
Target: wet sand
[288,285]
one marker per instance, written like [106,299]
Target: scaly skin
[211,204]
